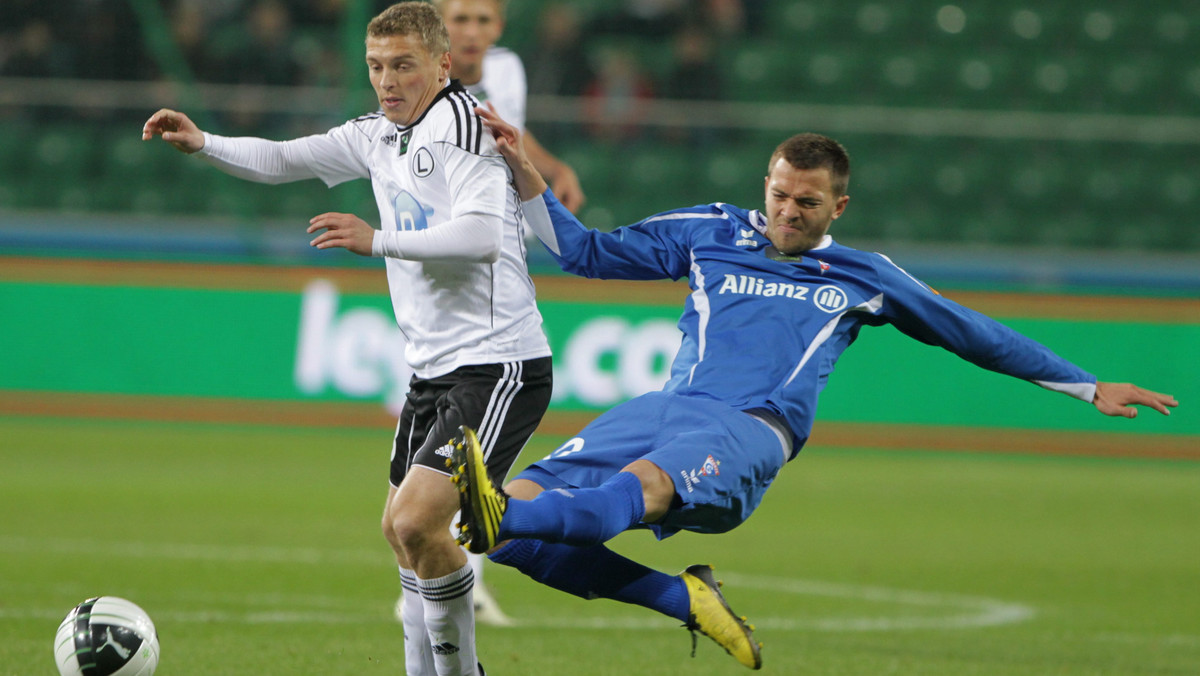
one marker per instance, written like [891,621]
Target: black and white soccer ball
[106,636]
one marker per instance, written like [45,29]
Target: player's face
[473,25]
[406,77]
[801,205]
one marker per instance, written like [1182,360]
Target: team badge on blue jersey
[712,467]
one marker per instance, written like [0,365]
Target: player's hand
[174,128]
[342,230]
[529,182]
[1119,399]
[567,189]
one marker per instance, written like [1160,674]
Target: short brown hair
[412,18]
[501,5]
[813,151]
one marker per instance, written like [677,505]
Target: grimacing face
[405,76]
[474,26]
[800,206]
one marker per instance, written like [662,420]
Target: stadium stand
[1086,115]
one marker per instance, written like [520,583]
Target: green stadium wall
[263,337]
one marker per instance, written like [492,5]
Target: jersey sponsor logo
[410,214]
[422,163]
[830,299]
[756,286]
[747,238]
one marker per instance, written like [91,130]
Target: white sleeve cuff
[539,220]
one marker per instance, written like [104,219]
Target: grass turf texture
[256,552]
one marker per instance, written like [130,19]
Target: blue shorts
[722,460]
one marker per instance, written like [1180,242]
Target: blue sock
[577,516]
[594,572]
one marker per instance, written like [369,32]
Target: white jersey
[503,85]
[442,167]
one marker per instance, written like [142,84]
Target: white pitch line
[939,610]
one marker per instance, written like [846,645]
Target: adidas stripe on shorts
[502,402]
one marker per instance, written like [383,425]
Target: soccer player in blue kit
[699,454]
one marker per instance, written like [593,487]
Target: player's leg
[505,402]
[410,608]
[421,512]
[601,501]
[709,501]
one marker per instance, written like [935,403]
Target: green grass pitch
[257,552]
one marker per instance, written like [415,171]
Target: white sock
[450,621]
[418,654]
[476,563]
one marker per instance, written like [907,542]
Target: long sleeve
[334,157]
[471,238]
[256,159]
[651,249]
[921,313]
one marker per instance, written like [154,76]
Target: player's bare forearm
[342,230]
[1119,399]
[510,143]
[174,128]
[562,178]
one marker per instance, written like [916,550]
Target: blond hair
[419,19]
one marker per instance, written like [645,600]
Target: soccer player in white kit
[453,241]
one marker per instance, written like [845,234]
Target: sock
[450,621]
[476,563]
[418,655]
[577,516]
[595,571]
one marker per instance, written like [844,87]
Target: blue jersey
[763,331]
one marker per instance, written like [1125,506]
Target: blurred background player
[774,303]
[496,75]
[452,239]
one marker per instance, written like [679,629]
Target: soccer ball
[106,636]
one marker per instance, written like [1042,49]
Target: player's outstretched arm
[342,230]
[174,128]
[1119,399]
[528,180]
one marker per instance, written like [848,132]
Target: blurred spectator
[108,40]
[653,19]
[694,76]
[36,54]
[558,64]
[616,100]
[190,30]
[264,53]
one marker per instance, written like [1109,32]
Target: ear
[841,205]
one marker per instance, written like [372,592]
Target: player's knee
[658,491]
[412,531]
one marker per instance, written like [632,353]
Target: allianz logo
[828,297]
